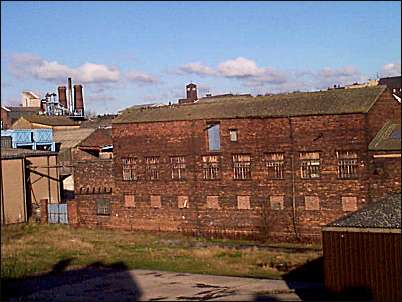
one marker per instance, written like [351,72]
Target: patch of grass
[31,249]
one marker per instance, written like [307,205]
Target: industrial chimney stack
[78,100]
[62,96]
[70,95]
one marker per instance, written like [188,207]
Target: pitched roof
[98,122]
[388,138]
[72,137]
[384,214]
[51,120]
[337,101]
[100,138]
[9,153]
[23,109]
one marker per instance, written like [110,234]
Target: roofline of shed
[362,230]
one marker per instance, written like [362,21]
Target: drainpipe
[293,179]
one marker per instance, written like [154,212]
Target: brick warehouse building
[272,166]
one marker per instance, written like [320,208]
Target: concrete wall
[44,187]
[13,207]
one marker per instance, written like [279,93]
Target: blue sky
[127,53]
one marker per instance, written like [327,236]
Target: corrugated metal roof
[388,138]
[382,214]
[337,101]
[71,138]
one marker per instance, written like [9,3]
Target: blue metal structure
[31,137]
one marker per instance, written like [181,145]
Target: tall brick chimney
[191,90]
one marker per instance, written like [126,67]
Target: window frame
[211,135]
[130,168]
[151,168]
[306,164]
[104,209]
[179,166]
[275,165]
[243,166]
[345,161]
[210,169]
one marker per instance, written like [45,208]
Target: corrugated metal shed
[362,251]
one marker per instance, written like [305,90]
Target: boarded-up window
[214,140]
[311,203]
[275,163]
[130,168]
[347,164]
[349,203]
[182,202]
[277,202]
[129,201]
[152,168]
[213,202]
[243,202]
[103,207]
[310,165]
[211,167]
[178,164]
[156,201]
[233,135]
[241,166]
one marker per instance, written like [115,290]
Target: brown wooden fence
[363,260]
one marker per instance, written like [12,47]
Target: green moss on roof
[388,138]
[338,101]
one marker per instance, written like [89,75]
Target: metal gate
[57,213]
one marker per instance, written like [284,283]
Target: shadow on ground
[313,273]
[91,283]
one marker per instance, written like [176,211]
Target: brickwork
[269,207]
[92,174]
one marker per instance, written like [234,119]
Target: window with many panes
[214,140]
[275,165]
[178,164]
[347,164]
[241,166]
[103,207]
[310,165]
[152,168]
[130,168]
[211,167]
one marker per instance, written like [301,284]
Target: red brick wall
[326,134]
[5,119]
[92,174]
[386,108]
[385,175]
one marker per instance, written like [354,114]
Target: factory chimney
[78,100]
[62,96]
[70,95]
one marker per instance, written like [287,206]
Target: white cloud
[239,68]
[30,65]
[390,70]
[197,68]
[141,78]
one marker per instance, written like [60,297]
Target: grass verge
[32,249]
